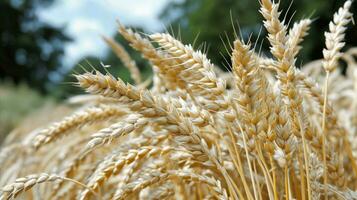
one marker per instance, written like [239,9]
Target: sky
[86,20]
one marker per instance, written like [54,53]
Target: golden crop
[266,130]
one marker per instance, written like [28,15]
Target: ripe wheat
[277,131]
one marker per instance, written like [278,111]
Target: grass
[15,104]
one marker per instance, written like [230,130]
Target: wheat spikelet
[23,184]
[78,119]
[116,130]
[276,29]
[297,33]
[335,36]
[158,59]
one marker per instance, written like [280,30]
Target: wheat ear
[26,183]
[331,54]
[297,34]
[121,53]
[77,119]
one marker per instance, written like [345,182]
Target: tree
[210,19]
[31,51]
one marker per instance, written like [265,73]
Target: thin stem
[303,176]
[274,177]
[323,133]
[255,171]
[306,160]
[289,185]
[239,165]
[249,164]
[287,194]
[83,185]
[262,164]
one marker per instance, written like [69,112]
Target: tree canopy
[31,50]
[211,20]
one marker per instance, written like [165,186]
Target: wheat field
[265,130]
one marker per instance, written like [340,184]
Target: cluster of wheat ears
[266,130]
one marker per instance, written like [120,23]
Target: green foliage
[31,51]
[212,18]
[15,103]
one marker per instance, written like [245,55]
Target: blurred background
[43,42]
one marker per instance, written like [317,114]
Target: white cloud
[86,20]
